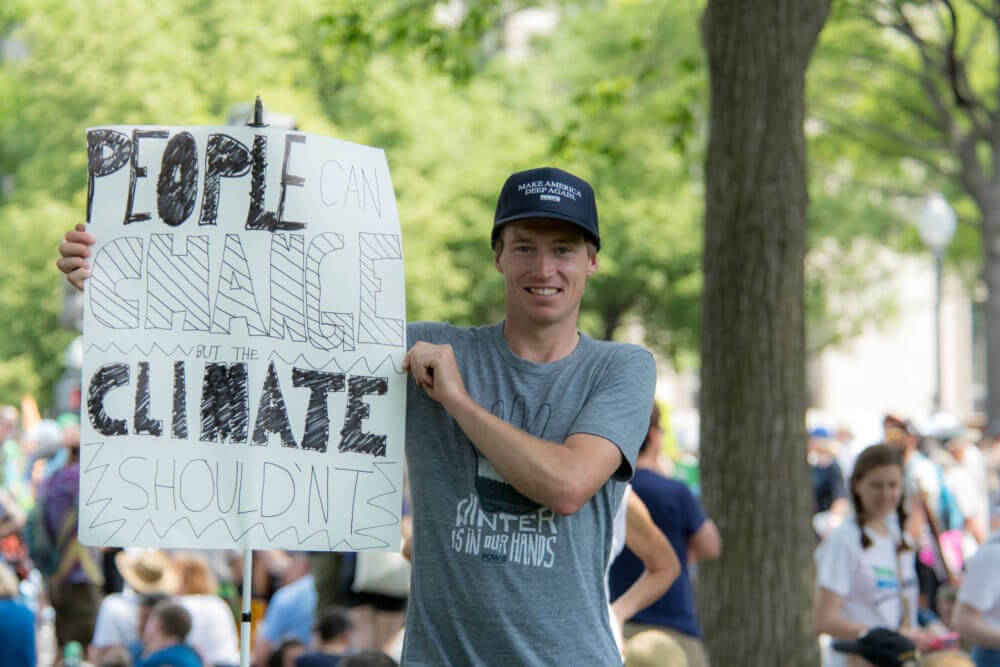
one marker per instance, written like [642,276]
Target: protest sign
[244,329]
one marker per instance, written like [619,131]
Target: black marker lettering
[225,157]
[351,437]
[143,424]
[272,417]
[138,172]
[104,380]
[177,185]
[320,383]
[224,403]
[107,152]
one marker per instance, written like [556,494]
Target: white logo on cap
[549,190]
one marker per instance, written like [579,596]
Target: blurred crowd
[138,606]
[929,491]
[67,604]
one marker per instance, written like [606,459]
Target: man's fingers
[70,263]
[74,245]
[77,277]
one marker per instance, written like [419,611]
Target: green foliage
[94,63]
[31,349]
[618,94]
[594,98]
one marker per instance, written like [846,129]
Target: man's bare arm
[561,476]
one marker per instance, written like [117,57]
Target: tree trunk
[755,601]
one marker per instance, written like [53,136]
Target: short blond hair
[652,648]
[950,658]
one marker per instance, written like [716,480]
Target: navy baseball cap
[547,193]
[881,647]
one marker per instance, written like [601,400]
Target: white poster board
[244,330]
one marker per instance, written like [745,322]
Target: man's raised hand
[74,251]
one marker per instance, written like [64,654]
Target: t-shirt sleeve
[692,513]
[981,586]
[619,407]
[271,628]
[108,630]
[834,564]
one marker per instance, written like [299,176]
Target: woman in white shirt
[865,571]
[977,615]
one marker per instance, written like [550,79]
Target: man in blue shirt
[691,533]
[167,627]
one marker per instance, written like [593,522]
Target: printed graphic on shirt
[885,578]
[495,493]
[528,538]
[887,599]
[498,523]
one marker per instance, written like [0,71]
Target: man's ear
[496,262]
[592,269]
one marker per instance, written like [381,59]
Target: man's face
[545,264]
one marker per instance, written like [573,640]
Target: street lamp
[936,225]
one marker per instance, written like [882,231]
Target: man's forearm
[553,474]
[975,629]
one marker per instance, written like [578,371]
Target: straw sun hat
[148,571]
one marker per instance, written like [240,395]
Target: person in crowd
[368,658]
[286,653]
[830,504]
[291,613]
[928,502]
[947,598]
[963,446]
[76,587]
[635,529]
[10,449]
[529,418]
[865,576]
[213,628]
[376,615]
[168,626]
[654,649]
[990,448]
[135,648]
[332,639]
[977,614]
[962,541]
[17,624]
[827,478]
[117,657]
[947,658]
[692,535]
[145,571]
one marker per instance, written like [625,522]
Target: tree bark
[755,601]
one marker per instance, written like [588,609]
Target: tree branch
[993,15]
[908,144]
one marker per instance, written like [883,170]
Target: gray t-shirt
[497,578]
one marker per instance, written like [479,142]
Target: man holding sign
[520,437]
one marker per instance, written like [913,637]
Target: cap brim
[846,645]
